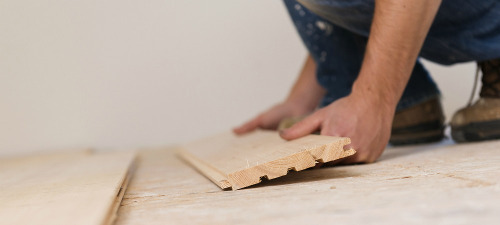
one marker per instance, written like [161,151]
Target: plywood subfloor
[79,188]
[235,162]
[426,184]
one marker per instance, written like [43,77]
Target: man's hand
[271,118]
[366,122]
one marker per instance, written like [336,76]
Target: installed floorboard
[232,161]
[426,184]
[79,188]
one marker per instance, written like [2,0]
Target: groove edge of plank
[296,162]
[113,209]
[208,171]
[306,158]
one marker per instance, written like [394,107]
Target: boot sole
[419,134]
[478,131]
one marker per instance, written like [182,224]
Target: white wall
[128,74]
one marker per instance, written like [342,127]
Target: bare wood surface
[425,184]
[82,188]
[236,162]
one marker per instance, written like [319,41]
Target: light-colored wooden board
[82,188]
[233,161]
[425,184]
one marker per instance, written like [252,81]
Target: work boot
[481,120]
[422,123]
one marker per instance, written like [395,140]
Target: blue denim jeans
[335,33]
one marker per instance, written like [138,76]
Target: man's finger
[302,128]
[248,126]
[357,159]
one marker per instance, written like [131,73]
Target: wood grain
[236,162]
[81,188]
[424,184]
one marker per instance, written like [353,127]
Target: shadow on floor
[309,175]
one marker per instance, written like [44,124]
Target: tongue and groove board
[235,162]
[79,188]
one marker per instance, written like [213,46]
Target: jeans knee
[353,15]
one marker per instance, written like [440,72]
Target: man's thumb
[307,126]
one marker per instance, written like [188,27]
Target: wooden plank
[424,184]
[82,188]
[112,211]
[236,162]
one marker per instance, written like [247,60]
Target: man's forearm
[397,33]
[306,90]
